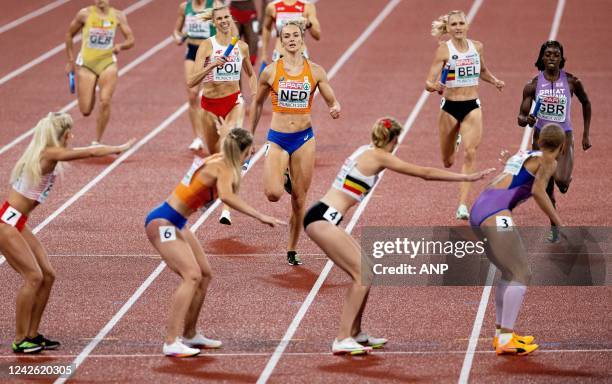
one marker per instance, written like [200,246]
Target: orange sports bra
[292,94]
[191,191]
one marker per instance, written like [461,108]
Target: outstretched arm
[392,162]
[227,195]
[69,154]
[538,190]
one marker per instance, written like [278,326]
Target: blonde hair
[384,131]
[234,144]
[47,133]
[551,137]
[209,13]
[439,27]
[295,23]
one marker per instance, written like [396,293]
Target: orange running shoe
[519,338]
[515,347]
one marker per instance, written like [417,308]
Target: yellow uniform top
[98,40]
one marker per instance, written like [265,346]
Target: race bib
[294,94]
[197,164]
[230,71]
[11,216]
[553,108]
[514,164]
[167,233]
[100,38]
[332,215]
[196,28]
[504,223]
[467,70]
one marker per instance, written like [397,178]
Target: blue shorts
[290,142]
[192,51]
[165,211]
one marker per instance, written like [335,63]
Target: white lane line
[265,375]
[554,30]
[108,170]
[486,291]
[153,50]
[31,15]
[109,326]
[207,254]
[61,47]
[45,358]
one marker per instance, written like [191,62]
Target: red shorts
[221,106]
[12,217]
[243,16]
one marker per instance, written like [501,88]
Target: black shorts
[321,211]
[192,51]
[459,109]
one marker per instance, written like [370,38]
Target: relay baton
[245,166]
[230,47]
[71,81]
[444,75]
[528,132]
[262,67]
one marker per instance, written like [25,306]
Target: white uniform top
[464,69]
[351,181]
[230,71]
[38,192]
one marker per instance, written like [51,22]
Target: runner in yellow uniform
[96,62]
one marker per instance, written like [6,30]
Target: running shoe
[178,349]
[519,339]
[95,143]
[27,347]
[374,342]
[293,258]
[44,342]
[196,144]
[349,346]
[462,213]
[553,236]
[199,340]
[288,186]
[514,347]
[225,217]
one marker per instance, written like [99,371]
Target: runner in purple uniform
[525,174]
[555,87]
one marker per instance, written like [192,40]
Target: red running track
[102,255]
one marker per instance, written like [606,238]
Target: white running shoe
[199,340]
[458,142]
[374,342]
[462,213]
[178,349]
[226,217]
[196,144]
[349,346]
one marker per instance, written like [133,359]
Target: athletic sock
[513,300]
[500,290]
